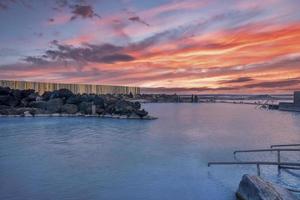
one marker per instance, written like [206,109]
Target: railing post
[278,158]
[258,169]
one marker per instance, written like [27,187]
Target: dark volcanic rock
[38,104]
[137,105]
[123,107]
[30,103]
[69,109]
[75,99]
[100,110]
[8,100]
[4,90]
[54,105]
[4,100]
[99,101]
[85,108]
[46,96]
[255,188]
[62,93]
[141,113]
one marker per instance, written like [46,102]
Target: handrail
[261,150]
[257,163]
[264,150]
[285,145]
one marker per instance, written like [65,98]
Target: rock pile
[64,103]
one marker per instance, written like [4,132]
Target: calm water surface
[92,158]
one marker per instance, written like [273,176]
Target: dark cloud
[5,4]
[105,53]
[35,60]
[116,57]
[274,84]
[51,20]
[238,80]
[282,84]
[83,11]
[138,19]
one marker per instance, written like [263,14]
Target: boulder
[99,110]
[4,107]
[46,95]
[8,100]
[17,94]
[26,93]
[85,108]
[256,188]
[4,90]
[38,104]
[75,99]
[69,109]
[27,114]
[123,107]
[141,113]
[54,105]
[4,100]
[31,97]
[99,101]
[61,93]
[137,105]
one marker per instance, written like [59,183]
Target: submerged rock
[255,188]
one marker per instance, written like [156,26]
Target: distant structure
[295,106]
[42,87]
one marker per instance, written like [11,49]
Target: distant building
[41,87]
[295,106]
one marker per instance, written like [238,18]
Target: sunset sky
[193,46]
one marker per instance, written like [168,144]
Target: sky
[192,46]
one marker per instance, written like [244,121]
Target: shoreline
[148,117]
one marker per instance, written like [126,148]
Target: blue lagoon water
[93,158]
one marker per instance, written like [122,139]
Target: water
[92,158]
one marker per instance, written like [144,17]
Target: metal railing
[257,163]
[285,145]
[270,150]
[283,165]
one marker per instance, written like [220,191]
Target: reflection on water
[92,158]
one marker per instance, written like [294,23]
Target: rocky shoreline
[63,103]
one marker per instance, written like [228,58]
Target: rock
[123,107]
[75,99]
[4,107]
[46,96]
[255,188]
[4,90]
[8,100]
[54,105]
[85,108]
[137,105]
[141,113]
[27,114]
[61,93]
[38,104]
[69,109]
[99,101]
[31,97]
[26,93]
[99,110]
[4,100]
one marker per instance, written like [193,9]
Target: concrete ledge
[256,188]
[289,107]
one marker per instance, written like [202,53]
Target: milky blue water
[93,158]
